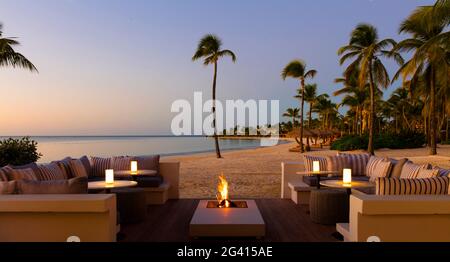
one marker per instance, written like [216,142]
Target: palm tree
[297,69]
[9,57]
[430,59]
[209,48]
[292,113]
[310,97]
[366,47]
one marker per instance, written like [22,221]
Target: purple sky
[112,67]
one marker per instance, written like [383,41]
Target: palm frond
[294,69]
[348,56]
[311,74]
[229,53]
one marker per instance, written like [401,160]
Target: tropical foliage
[9,57]
[20,151]
[297,69]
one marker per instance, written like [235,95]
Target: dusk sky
[110,67]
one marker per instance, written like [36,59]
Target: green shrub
[402,140]
[350,142]
[20,151]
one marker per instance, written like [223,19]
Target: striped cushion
[444,172]
[121,163]
[427,173]
[77,168]
[372,164]
[308,160]
[22,174]
[428,186]
[410,170]
[380,169]
[357,162]
[337,163]
[8,188]
[64,165]
[4,173]
[51,171]
[99,165]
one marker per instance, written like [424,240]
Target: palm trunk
[433,150]
[370,148]
[216,139]
[302,81]
[446,130]
[309,122]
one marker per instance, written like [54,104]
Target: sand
[256,173]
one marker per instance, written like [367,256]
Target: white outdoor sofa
[292,185]
[397,218]
[89,217]
[56,218]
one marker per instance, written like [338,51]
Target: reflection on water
[54,148]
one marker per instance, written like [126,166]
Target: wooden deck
[285,222]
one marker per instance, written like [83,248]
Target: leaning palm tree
[367,48]
[9,57]
[297,69]
[293,114]
[209,48]
[430,59]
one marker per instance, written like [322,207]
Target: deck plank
[285,222]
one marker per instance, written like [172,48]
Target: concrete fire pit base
[227,222]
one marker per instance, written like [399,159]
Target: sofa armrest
[402,204]
[55,218]
[288,175]
[170,171]
[91,203]
[397,218]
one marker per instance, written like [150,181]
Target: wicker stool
[131,204]
[329,206]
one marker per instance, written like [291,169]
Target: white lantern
[316,166]
[347,176]
[109,176]
[134,167]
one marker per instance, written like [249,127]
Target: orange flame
[222,195]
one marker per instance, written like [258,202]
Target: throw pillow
[444,172]
[397,186]
[78,185]
[397,168]
[4,173]
[77,168]
[380,169]
[371,165]
[64,164]
[357,162]
[51,171]
[427,173]
[33,166]
[148,162]
[7,188]
[22,174]
[410,170]
[120,163]
[99,165]
[87,164]
[308,161]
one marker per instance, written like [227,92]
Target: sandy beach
[256,173]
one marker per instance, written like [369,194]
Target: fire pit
[227,218]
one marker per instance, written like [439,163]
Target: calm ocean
[53,148]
